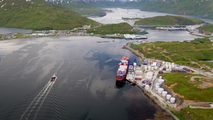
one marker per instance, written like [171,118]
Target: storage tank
[145,67]
[160,90]
[147,87]
[135,64]
[160,81]
[164,93]
[156,88]
[168,96]
[157,84]
[149,67]
[160,77]
[173,66]
[172,100]
[163,63]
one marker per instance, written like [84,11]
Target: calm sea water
[86,87]
[15,30]
[117,13]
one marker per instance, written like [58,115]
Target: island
[115,30]
[168,21]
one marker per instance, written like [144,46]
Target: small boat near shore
[123,68]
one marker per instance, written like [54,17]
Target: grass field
[197,114]
[179,52]
[168,20]
[206,28]
[122,28]
[38,15]
[187,89]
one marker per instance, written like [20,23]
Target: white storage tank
[149,67]
[168,96]
[163,62]
[164,93]
[157,84]
[145,67]
[135,64]
[172,100]
[160,90]
[147,87]
[173,66]
[156,88]
[160,81]
[160,77]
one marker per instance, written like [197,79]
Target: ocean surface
[86,87]
[15,30]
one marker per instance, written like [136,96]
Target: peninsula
[168,21]
[184,72]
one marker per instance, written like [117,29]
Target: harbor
[147,76]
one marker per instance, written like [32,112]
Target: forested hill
[188,7]
[38,14]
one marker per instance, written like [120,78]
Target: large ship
[123,68]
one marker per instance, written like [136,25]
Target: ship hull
[120,78]
[122,69]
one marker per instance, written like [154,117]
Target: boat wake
[31,112]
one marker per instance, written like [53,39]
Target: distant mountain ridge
[38,14]
[187,7]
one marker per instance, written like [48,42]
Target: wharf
[152,90]
[151,73]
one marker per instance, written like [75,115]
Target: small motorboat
[53,78]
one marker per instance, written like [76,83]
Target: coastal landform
[191,88]
[206,29]
[168,20]
[39,15]
[85,9]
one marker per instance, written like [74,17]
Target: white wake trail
[44,92]
[43,99]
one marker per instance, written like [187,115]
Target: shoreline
[140,58]
[172,109]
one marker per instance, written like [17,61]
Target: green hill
[207,29]
[38,14]
[187,7]
[84,8]
[122,28]
[168,20]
